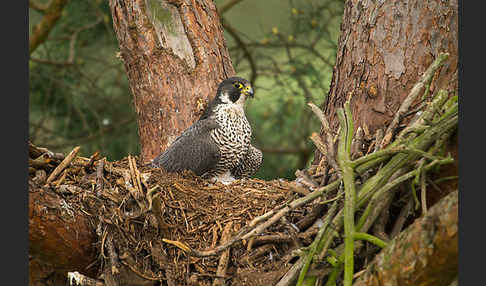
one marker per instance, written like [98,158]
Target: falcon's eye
[238,85]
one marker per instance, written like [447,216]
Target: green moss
[162,15]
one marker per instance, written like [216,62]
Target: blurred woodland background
[79,93]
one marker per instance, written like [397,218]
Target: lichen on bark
[170,30]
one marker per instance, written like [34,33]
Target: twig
[344,149]
[367,237]
[243,47]
[297,203]
[61,180]
[443,179]
[134,270]
[112,169]
[52,13]
[35,152]
[258,252]
[99,177]
[91,161]
[77,279]
[423,119]
[329,137]
[414,92]
[112,269]
[377,196]
[135,175]
[402,217]
[72,47]
[331,280]
[132,190]
[423,195]
[319,144]
[281,238]
[227,6]
[389,151]
[314,247]
[223,260]
[382,220]
[358,141]
[160,257]
[291,275]
[63,164]
[416,182]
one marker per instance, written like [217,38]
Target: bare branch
[43,28]
[227,6]
[243,47]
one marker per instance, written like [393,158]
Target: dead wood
[224,258]
[59,233]
[77,279]
[70,157]
[120,218]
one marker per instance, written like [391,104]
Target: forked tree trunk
[175,55]
[383,49]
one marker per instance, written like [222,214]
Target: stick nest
[154,223]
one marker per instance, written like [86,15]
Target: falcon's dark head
[234,90]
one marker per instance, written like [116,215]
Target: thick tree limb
[59,234]
[425,254]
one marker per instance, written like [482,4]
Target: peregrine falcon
[217,146]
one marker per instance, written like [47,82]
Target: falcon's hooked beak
[248,90]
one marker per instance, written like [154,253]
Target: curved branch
[227,6]
[243,47]
[52,13]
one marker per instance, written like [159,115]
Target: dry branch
[223,260]
[63,164]
[424,81]
[77,279]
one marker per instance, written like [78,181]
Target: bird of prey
[217,146]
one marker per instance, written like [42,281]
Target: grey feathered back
[193,150]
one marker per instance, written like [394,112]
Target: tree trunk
[383,49]
[175,55]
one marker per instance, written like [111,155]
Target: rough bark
[383,49]
[175,55]
[424,254]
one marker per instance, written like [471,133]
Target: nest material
[180,230]
[146,219]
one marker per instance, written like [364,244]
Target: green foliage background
[87,101]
